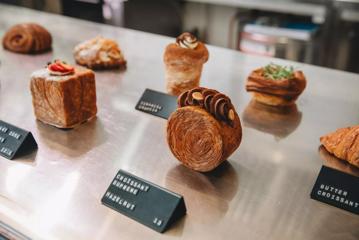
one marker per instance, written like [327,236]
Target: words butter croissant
[344,144]
[204,130]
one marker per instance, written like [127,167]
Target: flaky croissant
[344,144]
[205,129]
[27,38]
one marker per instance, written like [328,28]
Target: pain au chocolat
[204,130]
[27,38]
[344,144]
[62,95]
[276,85]
[184,62]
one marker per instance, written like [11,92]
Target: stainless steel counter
[261,193]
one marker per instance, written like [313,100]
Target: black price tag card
[15,141]
[143,201]
[157,103]
[338,189]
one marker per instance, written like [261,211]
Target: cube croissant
[63,96]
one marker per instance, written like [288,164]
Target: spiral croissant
[344,144]
[205,129]
[27,38]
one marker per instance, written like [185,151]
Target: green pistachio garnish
[277,72]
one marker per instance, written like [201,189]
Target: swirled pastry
[99,53]
[184,62]
[27,38]
[62,95]
[205,129]
[276,85]
[344,144]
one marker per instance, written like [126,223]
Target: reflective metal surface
[262,192]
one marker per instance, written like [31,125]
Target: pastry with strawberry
[63,95]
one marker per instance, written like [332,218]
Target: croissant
[331,161]
[184,62]
[276,85]
[204,130]
[344,144]
[27,38]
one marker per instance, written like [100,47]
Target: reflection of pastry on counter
[220,183]
[27,38]
[211,192]
[99,53]
[344,144]
[205,129]
[63,95]
[184,62]
[333,162]
[276,85]
[278,121]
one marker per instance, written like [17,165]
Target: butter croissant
[205,129]
[344,144]
[27,38]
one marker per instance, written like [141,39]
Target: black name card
[143,201]
[338,189]
[157,103]
[15,141]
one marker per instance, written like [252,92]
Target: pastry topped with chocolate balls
[204,130]
[63,95]
[276,85]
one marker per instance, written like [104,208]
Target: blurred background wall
[320,32]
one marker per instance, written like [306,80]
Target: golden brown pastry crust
[332,161]
[201,139]
[184,67]
[64,101]
[27,38]
[344,144]
[275,92]
[99,53]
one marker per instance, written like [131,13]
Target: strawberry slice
[66,67]
[60,67]
[56,68]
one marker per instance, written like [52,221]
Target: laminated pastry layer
[64,101]
[99,53]
[344,144]
[288,89]
[27,38]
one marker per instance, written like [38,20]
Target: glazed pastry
[62,95]
[27,38]
[205,129]
[344,144]
[278,121]
[276,85]
[99,53]
[184,62]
